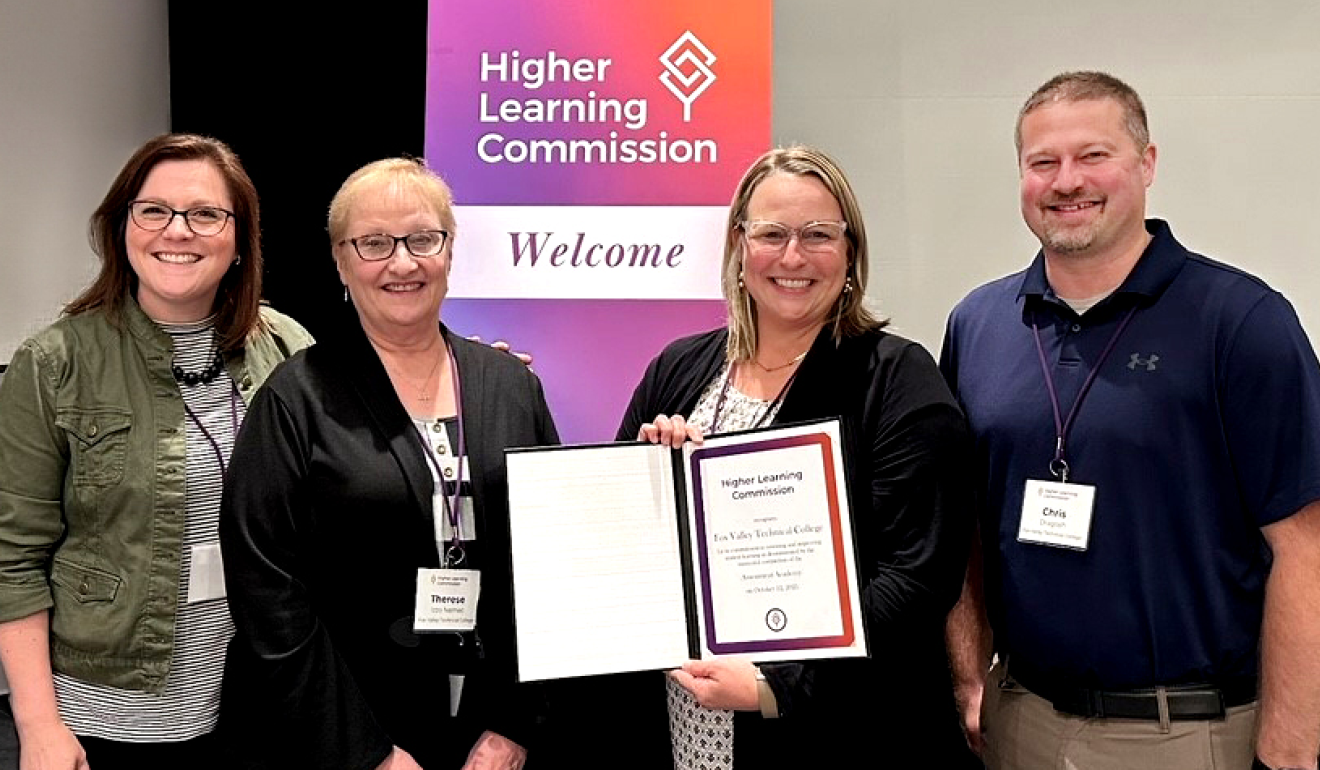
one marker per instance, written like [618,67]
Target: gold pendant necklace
[769,369]
[424,394]
[423,390]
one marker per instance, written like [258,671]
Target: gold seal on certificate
[635,556]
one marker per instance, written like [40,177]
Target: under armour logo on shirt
[1136,360]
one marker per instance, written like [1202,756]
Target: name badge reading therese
[1057,514]
[446,600]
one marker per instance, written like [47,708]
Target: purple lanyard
[724,392]
[233,418]
[454,554]
[1059,466]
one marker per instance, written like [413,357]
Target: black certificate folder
[634,557]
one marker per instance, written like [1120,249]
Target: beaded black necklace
[204,377]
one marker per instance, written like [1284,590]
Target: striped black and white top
[190,702]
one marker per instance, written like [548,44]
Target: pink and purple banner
[593,149]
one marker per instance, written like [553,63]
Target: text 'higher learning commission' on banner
[593,149]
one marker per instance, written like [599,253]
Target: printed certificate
[632,557]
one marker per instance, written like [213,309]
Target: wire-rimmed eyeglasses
[771,238]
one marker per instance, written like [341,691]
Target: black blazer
[906,448]
[326,519]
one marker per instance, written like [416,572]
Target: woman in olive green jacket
[118,423]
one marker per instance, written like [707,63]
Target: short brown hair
[849,315]
[238,299]
[1089,86]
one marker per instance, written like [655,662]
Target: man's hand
[526,358]
[968,640]
[968,696]
[1288,730]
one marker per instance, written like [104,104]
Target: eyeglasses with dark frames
[376,247]
[201,220]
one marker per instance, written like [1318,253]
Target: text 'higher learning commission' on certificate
[635,556]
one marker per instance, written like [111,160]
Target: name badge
[467,525]
[206,576]
[1057,514]
[446,600]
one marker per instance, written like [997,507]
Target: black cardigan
[325,520]
[906,448]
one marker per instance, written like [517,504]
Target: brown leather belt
[1183,702]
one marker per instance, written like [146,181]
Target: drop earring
[740,280]
[847,285]
[345,292]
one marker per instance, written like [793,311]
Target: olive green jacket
[92,487]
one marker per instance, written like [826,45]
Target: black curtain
[304,95]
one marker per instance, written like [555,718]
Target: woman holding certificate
[364,522]
[801,345]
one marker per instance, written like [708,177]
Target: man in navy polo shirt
[1148,423]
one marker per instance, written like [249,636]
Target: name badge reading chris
[1056,514]
[446,600]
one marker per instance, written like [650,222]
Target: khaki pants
[1024,732]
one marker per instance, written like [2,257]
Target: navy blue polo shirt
[1202,426]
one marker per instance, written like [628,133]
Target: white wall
[82,84]
[918,101]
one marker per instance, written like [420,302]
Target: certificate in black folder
[633,557]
